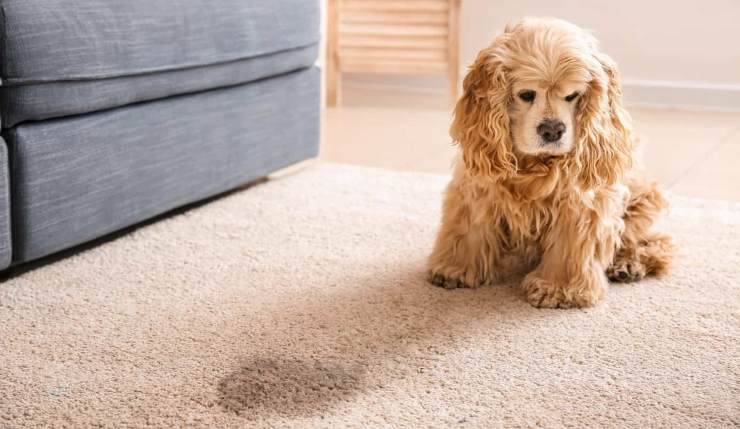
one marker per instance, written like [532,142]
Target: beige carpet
[302,303]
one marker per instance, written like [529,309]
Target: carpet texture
[302,303]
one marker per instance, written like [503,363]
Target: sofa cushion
[75,179]
[36,102]
[45,42]
[52,40]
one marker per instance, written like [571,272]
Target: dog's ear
[604,149]
[481,122]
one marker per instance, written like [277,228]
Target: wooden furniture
[409,37]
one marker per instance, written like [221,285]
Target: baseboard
[682,95]
[642,93]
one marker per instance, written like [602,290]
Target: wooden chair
[409,37]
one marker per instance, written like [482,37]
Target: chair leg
[333,77]
[453,48]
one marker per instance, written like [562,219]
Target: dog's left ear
[604,151]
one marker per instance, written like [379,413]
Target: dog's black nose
[551,130]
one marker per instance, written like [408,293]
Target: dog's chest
[519,235]
[521,227]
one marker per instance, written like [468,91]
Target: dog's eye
[527,96]
[571,97]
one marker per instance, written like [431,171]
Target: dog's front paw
[440,280]
[544,294]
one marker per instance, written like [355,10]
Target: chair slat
[393,30]
[383,41]
[392,67]
[395,5]
[386,17]
[436,55]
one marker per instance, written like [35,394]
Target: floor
[303,303]
[690,153]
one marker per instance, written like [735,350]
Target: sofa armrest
[5,236]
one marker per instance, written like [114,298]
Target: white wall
[680,52]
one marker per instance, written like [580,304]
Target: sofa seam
[31,122]
[19,81]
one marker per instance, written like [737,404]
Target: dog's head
[543,90]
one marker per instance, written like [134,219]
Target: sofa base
[79,178]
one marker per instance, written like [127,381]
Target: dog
[547,184]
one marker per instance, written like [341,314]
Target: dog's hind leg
[642,251]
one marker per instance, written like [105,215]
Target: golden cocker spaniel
[548,184]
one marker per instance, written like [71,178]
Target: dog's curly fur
[569,218]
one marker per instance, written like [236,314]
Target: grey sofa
[116,111]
